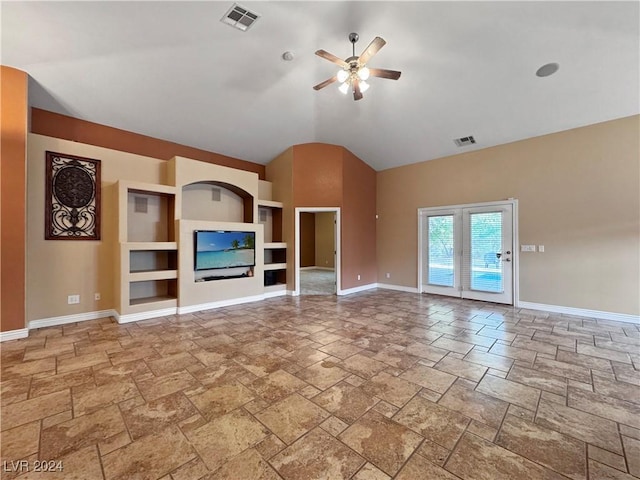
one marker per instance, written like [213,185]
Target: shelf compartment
[151,275]
[276,255]
[144,261]
[133,246]
[275,266]
[158,302]
[153,291]
[149,210]
[272,245]
[270,204]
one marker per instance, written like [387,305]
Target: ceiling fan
[354,72]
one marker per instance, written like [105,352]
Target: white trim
[77,317]
[221,303]
[399,288]
[136,317]
[582,312]
[337,245]
[361,288]
[14,334]
[275,293]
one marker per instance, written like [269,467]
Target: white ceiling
[172,70]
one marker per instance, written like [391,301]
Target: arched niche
[216,201]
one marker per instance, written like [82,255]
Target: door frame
[516,242]
[336,243]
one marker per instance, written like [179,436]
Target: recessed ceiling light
[548,69]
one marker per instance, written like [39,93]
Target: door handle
[506,259]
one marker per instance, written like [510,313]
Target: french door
[467,251]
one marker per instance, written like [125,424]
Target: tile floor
[372,386]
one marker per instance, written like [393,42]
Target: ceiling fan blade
[328,81]
[375,45]
[384,73]
[357,94]
[332,58]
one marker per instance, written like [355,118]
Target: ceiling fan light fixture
[353,71]
[364,73]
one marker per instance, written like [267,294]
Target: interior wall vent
[263,215]
[140,205]
[239,17]
[465,141]
[216,195]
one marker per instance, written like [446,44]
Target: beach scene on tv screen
[224,250]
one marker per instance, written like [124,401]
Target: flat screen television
[223,249]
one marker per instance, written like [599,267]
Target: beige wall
[578,194]
[198,203]
[325,242]
[201,293]
[57,268]
[307,239]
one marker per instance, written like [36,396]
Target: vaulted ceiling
[172,70]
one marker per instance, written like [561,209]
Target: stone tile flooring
[372,386]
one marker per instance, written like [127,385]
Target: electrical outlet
[358,277]
[541,248]
[387,275]
[73,299]
[96,296]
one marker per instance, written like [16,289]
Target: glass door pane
[441,251]
[486,248]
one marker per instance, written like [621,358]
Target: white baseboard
[65,319]
[136,317]
[14,334]
[221,303]
[582,312]
[399,288]
[361,288]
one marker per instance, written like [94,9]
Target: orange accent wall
[330,176]
[317,175]
[358,222]
[56,125]
[13,154]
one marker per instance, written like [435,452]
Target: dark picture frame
[72,198]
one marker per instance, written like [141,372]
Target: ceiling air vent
[239,17]
[465,141]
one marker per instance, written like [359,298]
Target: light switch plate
[527,248]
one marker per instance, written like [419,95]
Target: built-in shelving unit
[147,247]
[156,225]
[275,250]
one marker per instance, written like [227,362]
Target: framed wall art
[72,198]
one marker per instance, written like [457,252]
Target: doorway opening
[317,252]
[469,251]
